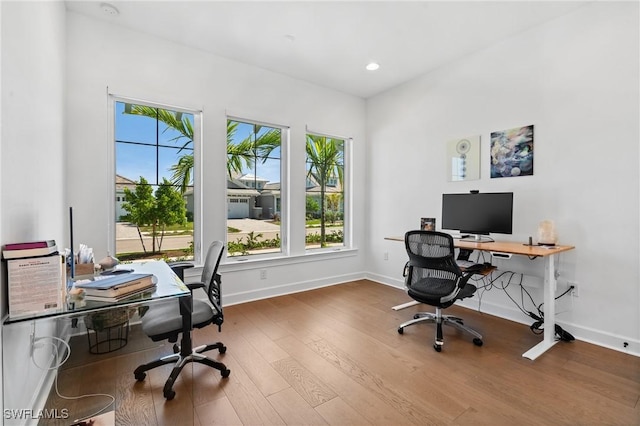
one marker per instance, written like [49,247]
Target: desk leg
[549,311]
[405,305]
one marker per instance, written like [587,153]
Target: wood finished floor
[334,356]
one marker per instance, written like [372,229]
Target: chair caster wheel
[176,348]
[225,373]
[140,376]
[416,316]
[477,342]
[222,349]
[169,394]
[437,347]
[400,330]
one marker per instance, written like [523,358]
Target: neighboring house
[251,181]
[240,200]
[247,196]
[333,187]
[251,196]
[122,183]
[271,200]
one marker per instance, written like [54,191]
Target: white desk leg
[405,305]
[549,310]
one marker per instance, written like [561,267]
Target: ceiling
[329,43]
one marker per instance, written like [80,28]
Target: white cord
[57,366]
[56,348]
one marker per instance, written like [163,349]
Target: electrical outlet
[386,255]
[575,292]
[263,274]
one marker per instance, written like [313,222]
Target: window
[254,188]
[154,165]
[325,192]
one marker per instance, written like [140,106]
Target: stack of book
[113,288]
[29,249]
[35,276]
[35,285]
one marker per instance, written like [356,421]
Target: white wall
[576,80]
[2,283]
[32,162]
[135,65]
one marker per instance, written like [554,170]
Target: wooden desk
[549,253]
[512,248]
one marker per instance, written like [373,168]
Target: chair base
[180,360]
[439,320]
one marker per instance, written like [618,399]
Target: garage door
[237,208]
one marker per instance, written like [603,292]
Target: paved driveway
[128,240]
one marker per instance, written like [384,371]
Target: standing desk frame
[549,254]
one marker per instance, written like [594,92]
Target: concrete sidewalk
[128,240]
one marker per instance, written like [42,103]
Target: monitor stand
[477,238]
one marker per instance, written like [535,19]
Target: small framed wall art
[428,223]
[463,159]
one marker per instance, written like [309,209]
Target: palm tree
[244,153]
[248,151]
[326,158]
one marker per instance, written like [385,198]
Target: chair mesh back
[209,271]
[431,255]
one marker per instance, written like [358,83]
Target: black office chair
[167,320]
[433,277]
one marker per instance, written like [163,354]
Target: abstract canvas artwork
[512,152]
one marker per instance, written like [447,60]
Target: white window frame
[197,168]
[285,218]
[347,192]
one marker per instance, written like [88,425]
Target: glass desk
[168,285]
[31,363]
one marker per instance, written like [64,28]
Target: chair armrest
[405,270]
[473,269]
[193,286]
[179,267]
[477,269]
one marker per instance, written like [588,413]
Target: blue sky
[134,160]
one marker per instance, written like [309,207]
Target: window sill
[242,264]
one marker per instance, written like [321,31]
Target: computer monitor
[478,213]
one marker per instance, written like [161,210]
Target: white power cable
[59,364]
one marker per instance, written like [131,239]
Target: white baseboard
[584,334]
[290,288]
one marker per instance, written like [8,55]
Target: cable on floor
[50,340]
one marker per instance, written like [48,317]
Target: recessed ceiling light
[372,66]
[109,9]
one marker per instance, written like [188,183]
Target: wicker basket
[108,331]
